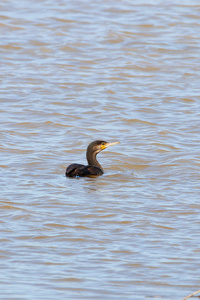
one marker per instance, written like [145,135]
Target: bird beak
[111,144]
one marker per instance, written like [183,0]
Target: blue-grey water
[75,71]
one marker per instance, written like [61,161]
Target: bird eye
[103,144]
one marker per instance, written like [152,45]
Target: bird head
[98,146]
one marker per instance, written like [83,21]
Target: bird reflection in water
[93,168]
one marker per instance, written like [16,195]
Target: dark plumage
[93,168]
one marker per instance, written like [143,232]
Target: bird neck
[92,160]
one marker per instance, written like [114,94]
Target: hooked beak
[111,144]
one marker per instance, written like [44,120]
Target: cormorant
[93,168]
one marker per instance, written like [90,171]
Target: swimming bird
[93,168]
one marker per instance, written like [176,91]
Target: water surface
[73,72]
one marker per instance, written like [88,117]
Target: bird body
[93,168]
[78,170]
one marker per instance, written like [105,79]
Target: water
[73,72]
